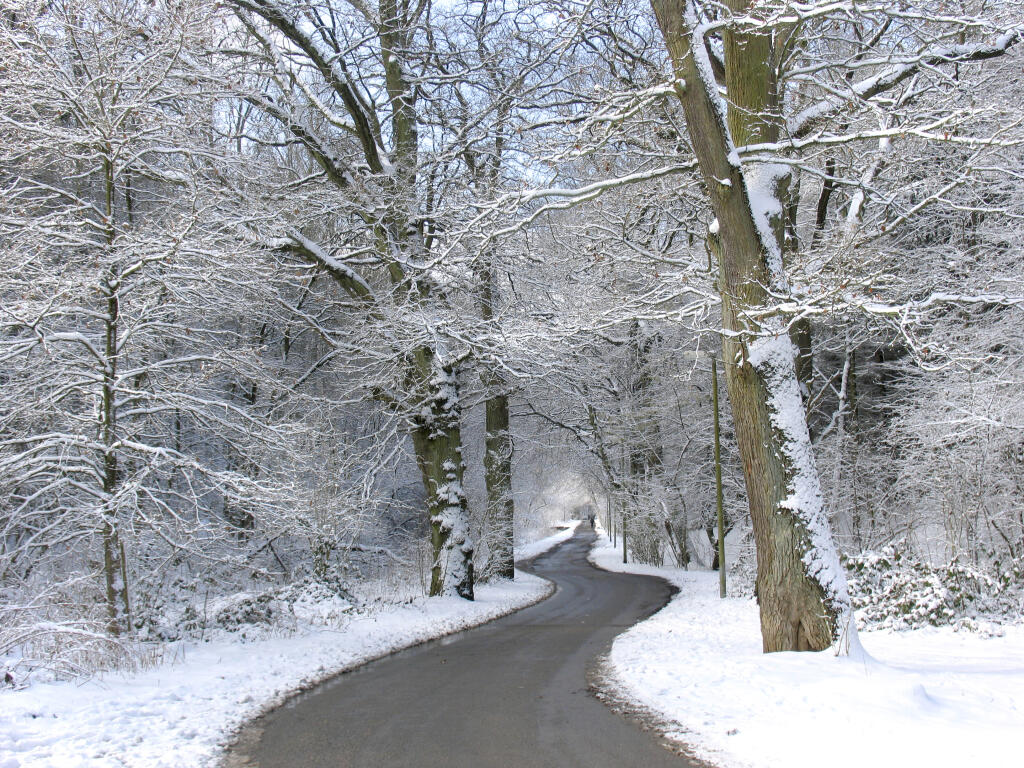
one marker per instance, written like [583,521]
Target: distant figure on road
[591,519]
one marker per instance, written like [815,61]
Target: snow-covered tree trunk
[801,588]
[437,439]
[381,175]
[114,567]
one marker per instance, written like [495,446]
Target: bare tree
[745,143]
[119,338]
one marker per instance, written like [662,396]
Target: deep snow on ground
[930,697]
[179,714]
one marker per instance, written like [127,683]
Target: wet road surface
[510,694]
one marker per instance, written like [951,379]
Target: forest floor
[181,712]
[930,697]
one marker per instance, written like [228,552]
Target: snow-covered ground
[180,713]
[567,529]
[932,698]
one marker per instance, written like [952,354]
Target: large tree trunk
[498,446]
[437,440]
[801,589]
[498,478]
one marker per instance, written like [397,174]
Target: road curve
[512,693]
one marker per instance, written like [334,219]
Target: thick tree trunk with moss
[801,589]
[437,440]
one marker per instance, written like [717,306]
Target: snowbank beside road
[926,697]
[527,551]
[180,713]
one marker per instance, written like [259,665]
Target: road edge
[608,688]
[234,751]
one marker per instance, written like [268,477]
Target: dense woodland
[333,298]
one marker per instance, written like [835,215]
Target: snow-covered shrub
[894,589]
[48,650]
[316,604]
[53,637]
[253,615]
[242,608]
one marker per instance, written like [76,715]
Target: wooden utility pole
[624,537]
[718,482]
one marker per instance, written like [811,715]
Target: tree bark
[437,440]
[800,587]
[498,479]
[115,571]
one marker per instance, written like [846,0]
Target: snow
[804,120]
[762,182]
[705,72]
[180,713]
[925,697]
[773,357]
[568,528]
[330,262]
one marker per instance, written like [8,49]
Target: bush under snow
[894,589]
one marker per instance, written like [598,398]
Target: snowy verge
[528,551]
[925,697]
[179,714]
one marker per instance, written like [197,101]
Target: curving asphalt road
[510,693]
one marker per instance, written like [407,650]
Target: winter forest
[320,305]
